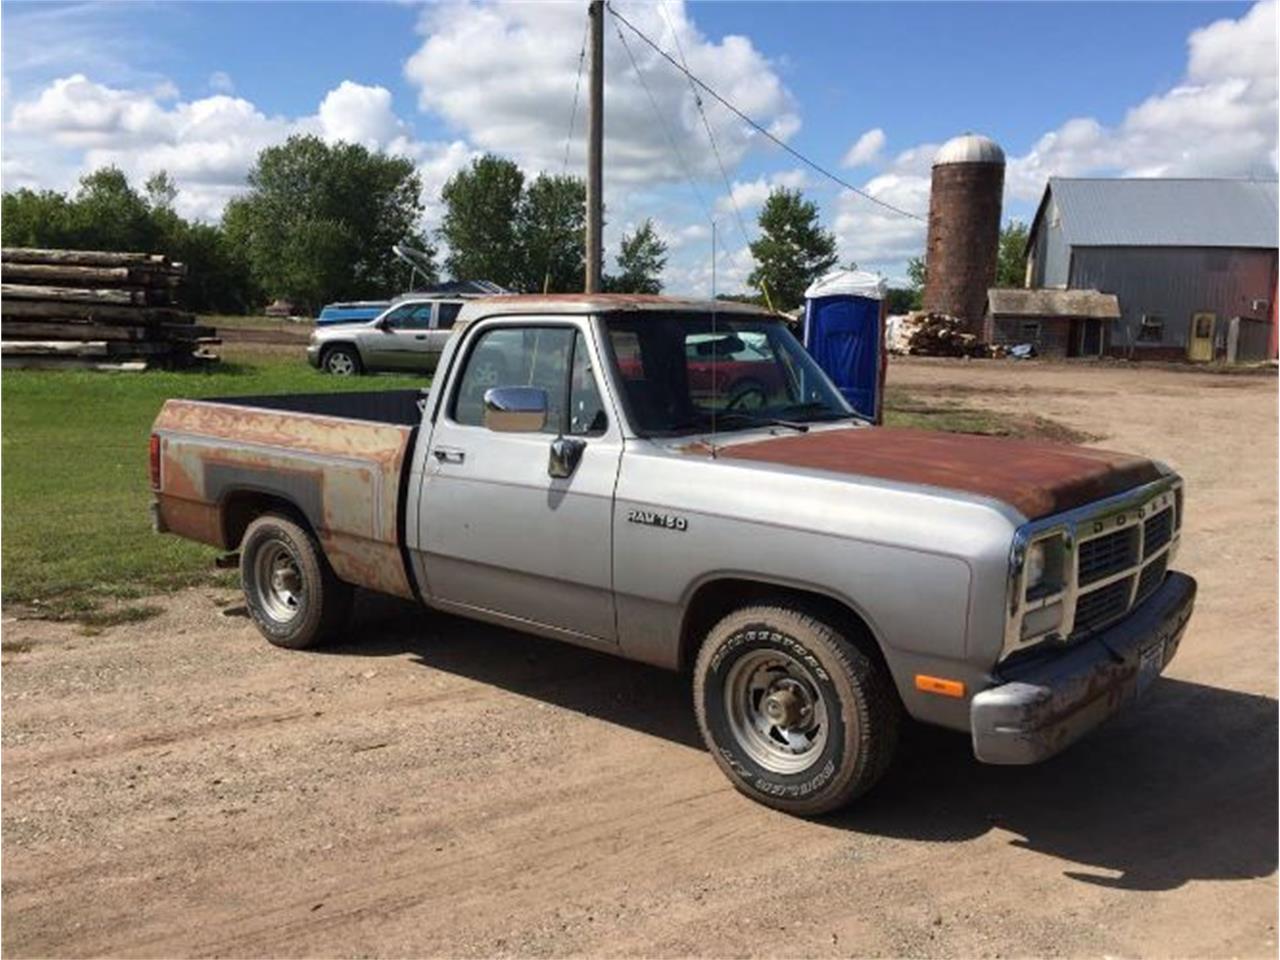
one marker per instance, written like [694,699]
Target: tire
[795,714]
[292,594]
[739,390]
[342,361]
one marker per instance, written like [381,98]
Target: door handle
[449,456]
[420,336]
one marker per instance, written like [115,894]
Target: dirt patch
[433,786]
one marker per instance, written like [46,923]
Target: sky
[868,91]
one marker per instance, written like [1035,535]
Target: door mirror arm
[566,453]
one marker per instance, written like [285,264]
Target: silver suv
[408,335]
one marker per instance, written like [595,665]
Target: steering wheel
[743,389]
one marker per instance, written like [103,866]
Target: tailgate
[342,474]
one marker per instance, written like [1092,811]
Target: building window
[1151,330]
[1029,330]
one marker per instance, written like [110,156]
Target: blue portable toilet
[844,332]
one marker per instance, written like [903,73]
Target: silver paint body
[388,349]
[612,556]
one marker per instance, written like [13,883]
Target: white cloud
[220,82]
[748,195]
[1220,121]
[504,73]
[866,149]
[207,145]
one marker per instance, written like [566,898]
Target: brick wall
[964,234]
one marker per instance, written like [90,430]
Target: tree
[482,205]
[916,275]
[319,220]
[793,249]
[161,191]
[551,235]
[641,259]
[900,300]
[1011,259]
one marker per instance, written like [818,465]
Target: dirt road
[177,787]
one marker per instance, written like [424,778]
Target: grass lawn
[75,489]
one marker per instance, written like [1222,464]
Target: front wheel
[341,362]
[795,714]
[293,596]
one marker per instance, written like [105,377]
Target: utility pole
[595,151]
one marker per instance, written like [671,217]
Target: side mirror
[515,409]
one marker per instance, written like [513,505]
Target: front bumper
[1045,705]
[313,355]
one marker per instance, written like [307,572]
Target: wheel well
[328,348]
[715,600]
[241,508]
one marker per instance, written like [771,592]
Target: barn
[1191,262]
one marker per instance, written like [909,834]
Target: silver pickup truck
[678,483]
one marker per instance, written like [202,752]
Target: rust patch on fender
[1036,478]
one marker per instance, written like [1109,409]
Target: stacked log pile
[67,309]
[938,335]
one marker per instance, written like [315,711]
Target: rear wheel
[341,362]
[796,714]
[293,596]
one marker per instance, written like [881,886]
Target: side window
[515,357]
[586,410]
[448,313]
[1151,329]
[419,317]
[399,317]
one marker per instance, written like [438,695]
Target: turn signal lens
[939,685]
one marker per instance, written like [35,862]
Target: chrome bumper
[1045,705]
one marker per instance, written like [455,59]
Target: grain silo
[964,228]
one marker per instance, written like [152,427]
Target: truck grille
[1117,556]
[1103,605]
[1157,531]
[1152,576]
[1108,554]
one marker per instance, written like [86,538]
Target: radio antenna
[713,340]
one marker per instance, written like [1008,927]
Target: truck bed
[338,457]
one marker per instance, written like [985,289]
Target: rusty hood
[1036,478]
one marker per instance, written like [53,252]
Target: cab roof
[581,304]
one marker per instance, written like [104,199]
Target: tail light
[155,461]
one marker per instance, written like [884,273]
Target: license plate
[1150,664]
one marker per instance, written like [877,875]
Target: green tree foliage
[551,235]
[793,249]
[916,275]
[107,213]
[482,207]
[641,258]
[1011,261]
[319,220]
[900,300]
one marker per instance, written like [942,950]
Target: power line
[675,147]
[758,127]
[568,140]
[697,99]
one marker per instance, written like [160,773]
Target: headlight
[1035,566]
[1045,567]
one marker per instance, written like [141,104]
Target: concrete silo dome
[969,148]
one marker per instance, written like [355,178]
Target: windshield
[678,371]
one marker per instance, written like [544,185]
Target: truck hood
[1036,478]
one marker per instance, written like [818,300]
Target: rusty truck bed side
[342,474]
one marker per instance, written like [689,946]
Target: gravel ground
[178,787]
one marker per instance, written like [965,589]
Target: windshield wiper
[754,420]
[824,413]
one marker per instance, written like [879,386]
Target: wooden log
[72,363]
[36,330]
[66,348]
[76,276]
[183,332]
[84,258]
[72,294]
[98,312]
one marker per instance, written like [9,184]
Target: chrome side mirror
[515,409]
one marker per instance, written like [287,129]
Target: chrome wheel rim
[341,364]
[279,582]
[776,711]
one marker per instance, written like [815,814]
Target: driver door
[499,533]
